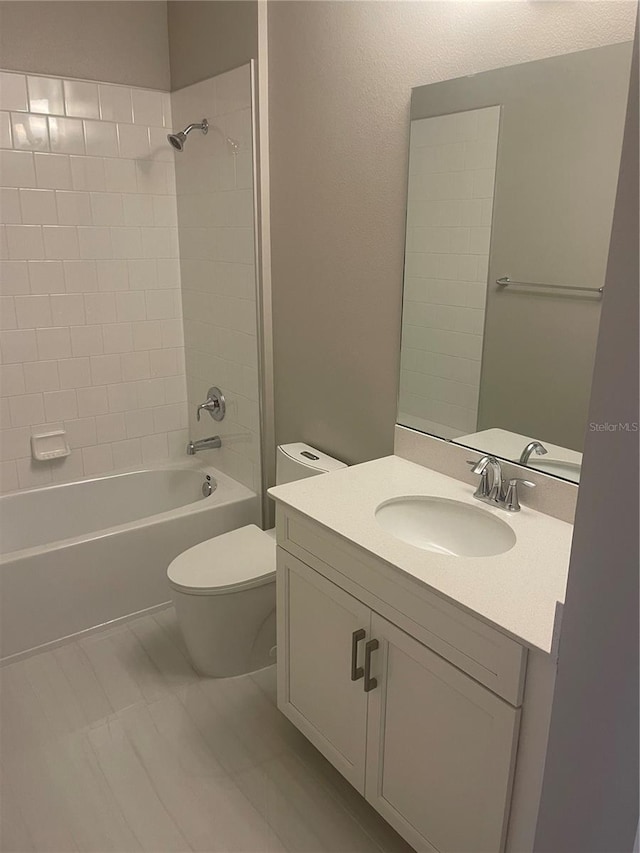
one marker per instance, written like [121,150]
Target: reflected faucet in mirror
[533,446]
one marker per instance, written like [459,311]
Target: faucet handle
[484,487]
[511,502]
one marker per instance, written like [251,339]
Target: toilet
[224,589]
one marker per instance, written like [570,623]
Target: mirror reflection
[512,182]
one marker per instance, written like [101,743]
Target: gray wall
[340,77]
[207,38]
[590,791]
[124,42]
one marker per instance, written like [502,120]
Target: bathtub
[79,555]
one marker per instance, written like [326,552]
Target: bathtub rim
[228,490]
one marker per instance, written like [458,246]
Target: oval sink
[445,526]
[559,467]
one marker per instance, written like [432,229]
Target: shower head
[178,139]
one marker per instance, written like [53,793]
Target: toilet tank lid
[242,558]
[304,454]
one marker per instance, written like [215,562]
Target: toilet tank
[297,461]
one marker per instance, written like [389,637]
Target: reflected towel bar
[505,281]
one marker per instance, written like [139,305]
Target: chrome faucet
[203,444]
[493,491]
[539,449]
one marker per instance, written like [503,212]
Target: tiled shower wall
[451,183]
[214,178]
[91,337]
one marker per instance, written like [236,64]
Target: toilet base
[230,633]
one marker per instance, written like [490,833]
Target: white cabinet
[430,748]
[315,637]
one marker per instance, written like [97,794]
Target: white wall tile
[81,432]
[107,209]
[136,365]
[41,376]
[97,460]
[67,309]
[86,340]
[10,206]
[52,171]
[115,103]
[12,380]
[80,277]
[17,169]
[120,176]
[53,343]
[60,405]
[110,428]
[29,132]
[45,95]
[100,308]
[452,166]
[147,107]
[73,208]
[112,275]
[33,312]
[25,242]
[90,277]
[107,370]
[60,242]
[38,207]
[87,173]
[46,277]
[127,454]
[92,401]
[66,135]
[13,91]
[133,141]
[100,139]
[95,243]
[81,99]
[27,409]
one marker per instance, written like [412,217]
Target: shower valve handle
[214,404]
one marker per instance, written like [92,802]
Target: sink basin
[445,526]
[559,467]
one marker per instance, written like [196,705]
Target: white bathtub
[78,555]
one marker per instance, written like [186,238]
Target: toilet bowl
[224,589]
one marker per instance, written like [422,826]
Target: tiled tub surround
[91,336]
[215,211]
[451,182]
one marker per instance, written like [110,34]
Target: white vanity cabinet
[427,745]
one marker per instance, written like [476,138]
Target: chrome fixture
[214,404]
[203,444]
[209,486]
[505,281]
[539,449]
[492,490]
[178,139]
[511,502]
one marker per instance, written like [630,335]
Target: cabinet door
[439,751]
[317,648]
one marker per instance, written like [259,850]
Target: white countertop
[517,591]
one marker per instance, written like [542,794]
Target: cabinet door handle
[356,671]
[369,683]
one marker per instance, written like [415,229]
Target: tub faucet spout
[203,444]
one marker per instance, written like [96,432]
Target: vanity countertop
[517,590]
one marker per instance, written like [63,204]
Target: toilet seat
[235,561]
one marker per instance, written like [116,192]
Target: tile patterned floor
[113,743]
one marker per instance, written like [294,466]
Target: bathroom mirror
[512,183]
